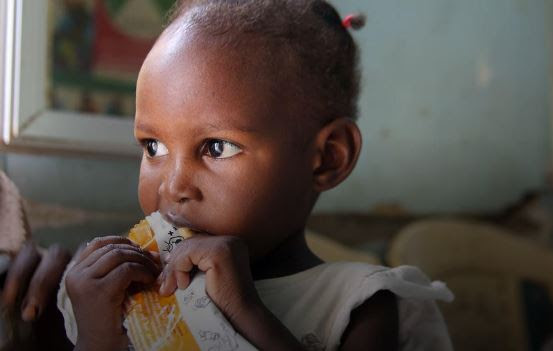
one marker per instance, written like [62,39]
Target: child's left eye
[221,149]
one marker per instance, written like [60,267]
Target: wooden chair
[503,284]
[332,251]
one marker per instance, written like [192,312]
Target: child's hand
[97,286]
[229,283]
[34,276]
[225,261]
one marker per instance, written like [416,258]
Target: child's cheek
[148,185]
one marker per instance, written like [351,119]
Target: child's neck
[292,256]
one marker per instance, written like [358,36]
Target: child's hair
[306,37]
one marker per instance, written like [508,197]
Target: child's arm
[97,284]
[373,325]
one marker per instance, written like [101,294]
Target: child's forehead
[191,77]
[182,56]
[184,66]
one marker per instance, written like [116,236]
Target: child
[246,112]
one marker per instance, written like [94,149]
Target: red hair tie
[346,22]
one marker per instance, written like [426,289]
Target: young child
[246,112]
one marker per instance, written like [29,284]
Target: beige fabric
[14,229]
[484,266]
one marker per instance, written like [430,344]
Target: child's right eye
[154,148]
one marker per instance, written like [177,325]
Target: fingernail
[183,280]
[162,287]
[161,277]
[24,304]
[30,312]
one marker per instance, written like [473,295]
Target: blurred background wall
[455,110]
[455,115]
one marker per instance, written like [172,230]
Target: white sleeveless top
[315,304]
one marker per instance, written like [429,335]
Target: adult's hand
[33,278]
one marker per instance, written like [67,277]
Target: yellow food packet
[188,319]
[154,322]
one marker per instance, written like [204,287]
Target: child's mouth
[180,221]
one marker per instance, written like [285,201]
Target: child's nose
[178,186]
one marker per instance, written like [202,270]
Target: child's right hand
[97,286]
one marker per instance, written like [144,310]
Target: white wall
[455,104]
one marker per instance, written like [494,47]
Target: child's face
[221,152]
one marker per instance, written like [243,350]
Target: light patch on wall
[484,72]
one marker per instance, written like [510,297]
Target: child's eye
[221,149]
[155,148]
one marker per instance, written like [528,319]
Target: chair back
[503,284]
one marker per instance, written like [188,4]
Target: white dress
[315,304]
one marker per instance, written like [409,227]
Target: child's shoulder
[316,304]
[364,278]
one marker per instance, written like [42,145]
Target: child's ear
[337,149]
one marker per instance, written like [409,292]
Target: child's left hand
[229,284]
[225,261]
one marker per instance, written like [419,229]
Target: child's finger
[118,256]
[100,242]
[182,257]
[156,256]
[123,275]
[177,271]
[44,282]
[80,250]
[183,279]
[96,255]
[20,273]
[168,283]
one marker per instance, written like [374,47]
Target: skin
[220,147]
[97,286]
[29,292]
[219,100]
